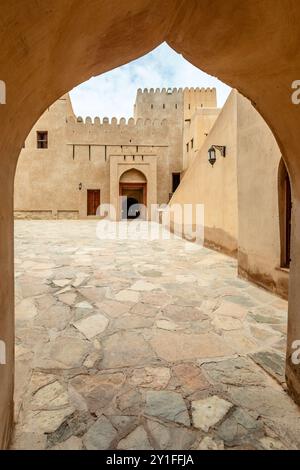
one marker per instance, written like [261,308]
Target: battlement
[114,123]
[171,91]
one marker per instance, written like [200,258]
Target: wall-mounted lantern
[80,186]
[212,157]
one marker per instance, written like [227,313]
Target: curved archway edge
[46,51]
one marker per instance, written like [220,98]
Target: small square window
[42,139]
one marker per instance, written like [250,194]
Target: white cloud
[113,93]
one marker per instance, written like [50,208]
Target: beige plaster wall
[194,98]
[47,181]
[215,187]
[257,169]
[195,132]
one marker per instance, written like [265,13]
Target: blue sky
[113,93]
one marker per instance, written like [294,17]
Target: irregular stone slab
[56,317]
[125,348]
[240,342]
[238,427]
[73,443]
[175,346]
[242,300]
[100,435]
[166,325]
[76,424]
[44,302]
[191,378]
[98,390]
[171,438]
[146,310]
[130,402]
[92,326]
[29,441]
[271,362]
[114,309]
[265,336]
[179,313]
[84,304]
[79,280]
[52,397]
[167,405]
[136,440]
[65,352]
[39,380]
[152,377]
[209,411]
[129,322]
[151,273]
[159,299]
[93,294]
[46,421]
[143,286]
[32,337]
[268,443]
[93,359]
[68,298]
[208,443]
[223,322]
[30,286]
[123,423]
[26,310]
[127,296]
[61,282]
[266,401]
[238,371]
[182,278]
[231,310]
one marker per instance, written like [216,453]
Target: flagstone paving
[136,344]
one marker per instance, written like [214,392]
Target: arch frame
[253,48]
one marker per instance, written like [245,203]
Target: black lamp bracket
[221,148]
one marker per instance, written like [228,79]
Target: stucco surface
[253,46]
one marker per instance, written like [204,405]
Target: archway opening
[136,295]
[133,195]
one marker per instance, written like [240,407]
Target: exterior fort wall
[215,186]
[241,211]
[259,157]
[53,182]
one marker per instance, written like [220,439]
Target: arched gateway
[133,194]
[42,60]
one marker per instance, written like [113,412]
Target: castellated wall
[53,182]
[173,103]
[165,103]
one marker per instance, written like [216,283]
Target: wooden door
[93,201]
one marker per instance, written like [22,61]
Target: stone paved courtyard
[144,345]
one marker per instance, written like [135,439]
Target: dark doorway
[175,181]
[133,200]
[93,201]
[132,208]
[285,214]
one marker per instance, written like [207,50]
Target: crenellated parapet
[115,123]
[170,91]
